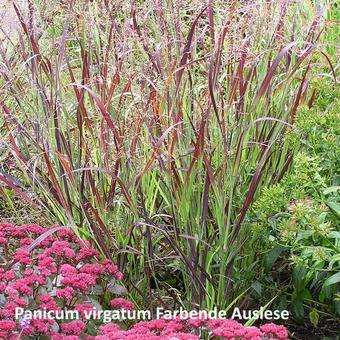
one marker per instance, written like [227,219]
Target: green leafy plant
[314,249]
[302,213]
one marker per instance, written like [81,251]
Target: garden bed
[326,329]
[46,273]
[192,151]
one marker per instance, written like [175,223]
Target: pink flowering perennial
[64,272]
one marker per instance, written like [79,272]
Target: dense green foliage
[302,213]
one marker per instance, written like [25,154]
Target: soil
[326,330]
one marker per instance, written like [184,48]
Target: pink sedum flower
[273,330]
[22,256]
[109,328]
[85,253]
[60,248]
[6,326]
[120,303]
[92,268]
[65,293]
[67,269]
[73,327]
[82,308]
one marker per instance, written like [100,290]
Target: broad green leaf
[314,317]
[305,294]
[335,259]
[299,274]
[337,307]
[335,278]
[298,310]
[334,234]
[322,295]
[331,190]
[257,287]
[304,235]
[335,207]
[272,257]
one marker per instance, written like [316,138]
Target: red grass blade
[265,84]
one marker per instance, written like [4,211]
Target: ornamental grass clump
[152,126]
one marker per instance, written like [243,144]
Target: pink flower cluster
[179,329]
[59,272]
[63,272]
[120,303]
